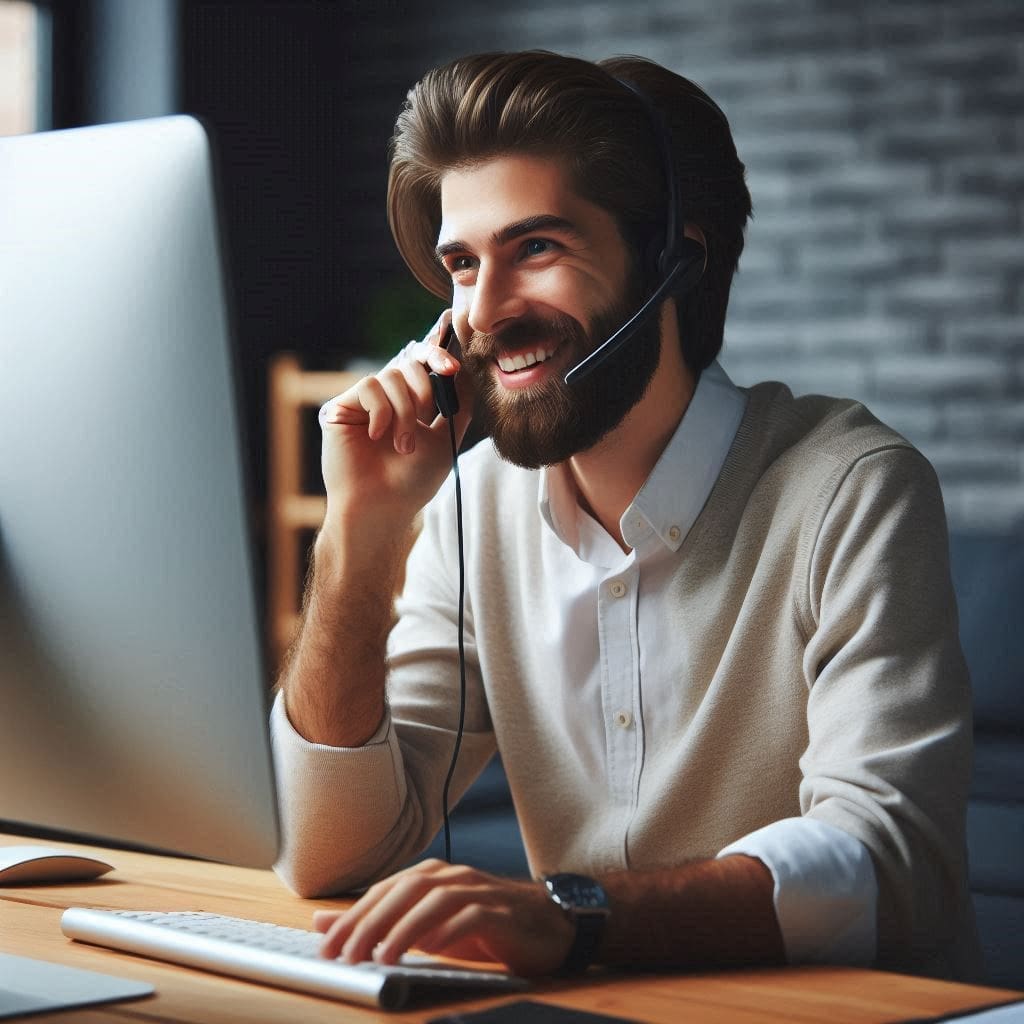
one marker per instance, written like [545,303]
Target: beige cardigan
[825,678]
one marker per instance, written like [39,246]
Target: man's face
[541,277]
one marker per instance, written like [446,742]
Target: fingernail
[406,444]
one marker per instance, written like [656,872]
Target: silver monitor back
[133,699]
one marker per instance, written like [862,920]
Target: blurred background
[883,143]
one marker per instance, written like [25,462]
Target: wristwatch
[585,903]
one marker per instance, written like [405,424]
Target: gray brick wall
[883,143]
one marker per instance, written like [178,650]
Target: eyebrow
[510,232]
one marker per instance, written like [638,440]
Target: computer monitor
[133,697]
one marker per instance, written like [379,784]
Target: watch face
[577,892]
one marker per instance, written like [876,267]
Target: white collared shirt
[625,651]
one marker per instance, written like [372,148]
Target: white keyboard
[271,954]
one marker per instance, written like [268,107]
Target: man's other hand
[451,910]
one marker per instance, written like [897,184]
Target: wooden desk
[30,926]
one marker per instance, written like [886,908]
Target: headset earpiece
[654,260]
[678,262]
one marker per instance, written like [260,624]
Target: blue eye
[537,246]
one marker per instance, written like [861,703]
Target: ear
[656,262]
[694,231]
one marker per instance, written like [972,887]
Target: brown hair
[549,105]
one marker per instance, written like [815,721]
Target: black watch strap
[589,929]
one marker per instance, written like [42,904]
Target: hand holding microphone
[385,448]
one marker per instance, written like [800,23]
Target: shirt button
[674,533]
[617,588]
[623,719]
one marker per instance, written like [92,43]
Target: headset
[680,263]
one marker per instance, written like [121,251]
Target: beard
[549,422]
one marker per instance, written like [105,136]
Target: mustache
[523,332]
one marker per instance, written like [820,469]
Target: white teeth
[509,364]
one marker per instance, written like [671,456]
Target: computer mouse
[44,865]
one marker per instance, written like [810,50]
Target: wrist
[373,521]
[363,549]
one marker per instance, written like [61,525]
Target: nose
[493,299]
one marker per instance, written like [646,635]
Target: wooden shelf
[291,512]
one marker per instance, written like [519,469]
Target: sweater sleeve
[888,713]
[337,805]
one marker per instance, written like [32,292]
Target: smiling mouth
[522,360]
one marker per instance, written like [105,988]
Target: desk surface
[30,926]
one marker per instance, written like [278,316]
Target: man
[710,630]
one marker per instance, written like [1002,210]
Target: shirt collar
[682,479]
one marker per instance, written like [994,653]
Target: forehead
[482,198]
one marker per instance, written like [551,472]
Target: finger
[323,919]
[395,386]
[431,915]
[404,354]
[374,924]
[470,934]
[339,931]
[429,898]
[440,358]
[378,915]
[419,358]
[431,362]
[420,351]
[372,397]
[514,929]
[444,362]
[429,351]
[335,936]
[416,374]
[430,354]
[343,408]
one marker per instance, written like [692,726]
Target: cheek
[559,290]
[544,293]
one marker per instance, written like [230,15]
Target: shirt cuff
[826,894]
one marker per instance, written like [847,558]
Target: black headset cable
[462,642]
